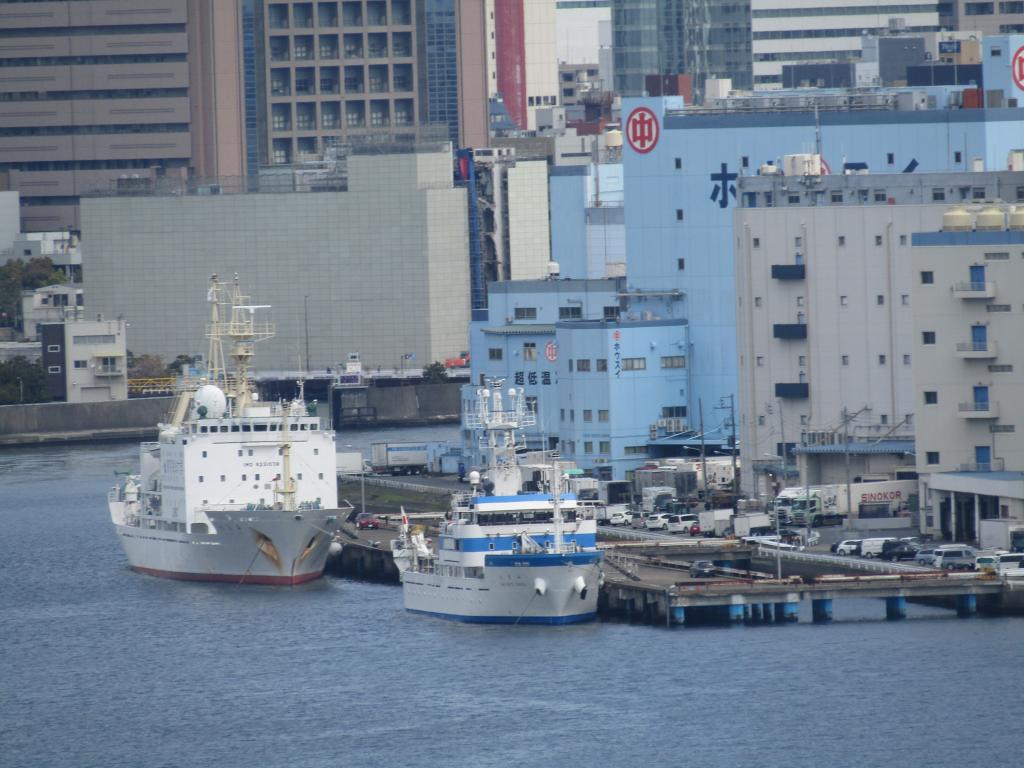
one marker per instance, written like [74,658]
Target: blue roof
[522,497]
[860,448]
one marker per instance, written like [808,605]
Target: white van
[955,558]
[1011,561]
[873,547]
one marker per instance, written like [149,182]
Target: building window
[223,478]
[53,347]
[799,301]
[906,359]
[561,414]
[494,353]
[837,197]
[931,397]
[200,478]
[531,403]
[602,414]
[798,241]
[53,369]
[611,313]
[81,363]
[588,446]
[845,359]
[927,278]
[602,364]
[905,299]
[760,421]
[635,450]
[570,364]
[878,239]
[927,337]
[793,199]
[572,415]
[529,350]
[880,300]
[526,313]
[957,157]
[604,446]
[570,313]
[673,361]
[759,360]
[679,163]
[938,195]
[881,359]
[903,239]
[842,240]
[680,264]
[583,366]
[890,158]
[757,301]
[634,363]
[679,214]
[801,360]
[843,301]
[883,419]
[803,419]
[756,242]
[588,415]
[932,457]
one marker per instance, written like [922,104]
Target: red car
[695,529]
[366,520]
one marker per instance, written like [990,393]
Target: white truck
[400,458]
[753,524]
[715,520]
[654,495]
[1002,534]
[826,504]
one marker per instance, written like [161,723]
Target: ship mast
[556,499]
[287,492]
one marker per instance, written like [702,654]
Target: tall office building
[367,71]
[989,18]
[101,92]
[786,33]
[702,38]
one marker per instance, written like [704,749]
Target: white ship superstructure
[235,489]
[503,556]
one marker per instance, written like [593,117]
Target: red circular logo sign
[642,130]
[1017,68]
[551,351]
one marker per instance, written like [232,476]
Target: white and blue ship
[503,556]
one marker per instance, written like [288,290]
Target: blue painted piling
[821,610]
[966,605]
[895,608]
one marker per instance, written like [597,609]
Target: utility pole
[735,477]
[703,458]
[846,459]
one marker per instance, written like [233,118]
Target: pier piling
[821,610]
[966,605]
[895,608]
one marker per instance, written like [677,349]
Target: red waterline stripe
[290,581]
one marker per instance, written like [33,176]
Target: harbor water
[100,666]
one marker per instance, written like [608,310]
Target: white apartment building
[825,312]
[47,305]
[968,355]
[813,31]
[85,359]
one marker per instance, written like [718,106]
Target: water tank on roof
[1016,218]
[990,219]
[956,220]
[613,139]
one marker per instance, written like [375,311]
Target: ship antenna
[287,492]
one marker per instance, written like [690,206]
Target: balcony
[108,370]
[982,410]
[974,291]
[788,272]
[792,391]
[976,350]
[789,330]
[996,465]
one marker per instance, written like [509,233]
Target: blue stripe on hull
[544,560]
[578,618]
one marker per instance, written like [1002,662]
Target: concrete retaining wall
[45,422]
[407,404]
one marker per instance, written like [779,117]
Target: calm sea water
[103,667]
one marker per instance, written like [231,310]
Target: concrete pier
[896,607]
[821,610]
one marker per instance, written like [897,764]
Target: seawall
[408,404]
[45,423]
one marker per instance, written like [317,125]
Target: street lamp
[21,390]
[775,514]
[305,306]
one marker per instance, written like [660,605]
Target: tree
[181,361]
[435,373]
[22,381]
[146,367]
[17,276]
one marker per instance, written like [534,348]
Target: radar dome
[474,478]
[210,402]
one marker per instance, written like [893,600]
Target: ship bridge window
[224,428]
[304,427]
[234,427]
[203,430]
[293,427]
[259,427]
[273,427]
[246,428]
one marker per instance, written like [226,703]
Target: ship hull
[508,592]
[265,547]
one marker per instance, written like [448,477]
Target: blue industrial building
[676,301]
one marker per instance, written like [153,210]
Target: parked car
[900,550]
[925,556]
[829,518]
[695,529]
[848,547]
[619,518]
[702,569]
[366,520]
[873,547]
[1011,561]
[637,520]
[657,522]
[954,559]
[681,523]
[986,563]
